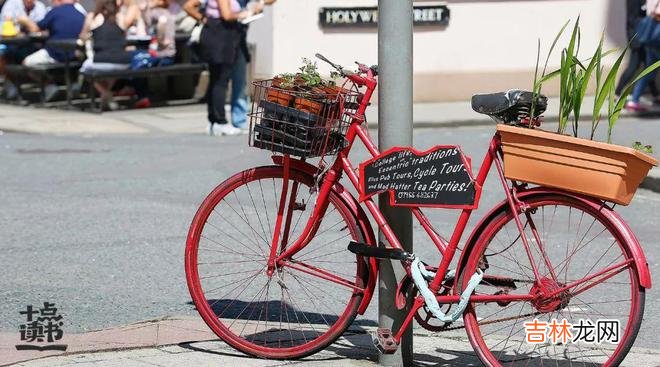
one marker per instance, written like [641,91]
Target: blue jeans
[140,84]
[652,55]
[239,103]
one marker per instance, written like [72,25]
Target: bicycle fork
[281,233]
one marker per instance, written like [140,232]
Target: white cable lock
[420,274]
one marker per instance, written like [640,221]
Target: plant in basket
[309,81]
[600,169]
[281,92]
[300,113]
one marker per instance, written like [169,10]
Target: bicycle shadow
[266,322]
[275,311]
[355,344]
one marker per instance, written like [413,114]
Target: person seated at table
[160,21]
[63,21]
[108,36]
[14,54]
[132,11]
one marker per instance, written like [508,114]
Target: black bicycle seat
[511,106]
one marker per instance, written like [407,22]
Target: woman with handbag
[219,47]
[648,34]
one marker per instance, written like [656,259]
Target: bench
[20,73]
[158,71]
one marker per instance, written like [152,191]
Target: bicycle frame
[342,165]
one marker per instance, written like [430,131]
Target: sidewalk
[191,119]
[187,341]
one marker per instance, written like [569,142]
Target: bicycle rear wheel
[305,304]
[577,242]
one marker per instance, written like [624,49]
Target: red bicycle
[269,272]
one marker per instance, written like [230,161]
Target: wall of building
[487,46]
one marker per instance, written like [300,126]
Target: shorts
[39,57]
[89,64]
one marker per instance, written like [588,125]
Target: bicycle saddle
[509,107]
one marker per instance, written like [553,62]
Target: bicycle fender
[641,265]
[362,221]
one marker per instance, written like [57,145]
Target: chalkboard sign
[440,177]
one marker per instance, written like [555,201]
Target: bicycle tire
[313,295]
[619,297]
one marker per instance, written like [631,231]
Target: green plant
[642,148]
[310,74]
[287,80]
[575,78]
[538,83]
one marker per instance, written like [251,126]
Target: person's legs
[239,102]
[652,55]
[42,57]
[637,57]
[140,84]
[216,97]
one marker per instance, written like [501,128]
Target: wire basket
[303,123]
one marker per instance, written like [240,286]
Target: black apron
[220,41]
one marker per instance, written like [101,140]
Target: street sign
[440,177]
[333,17]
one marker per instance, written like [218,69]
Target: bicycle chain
[450,328]
[494,321]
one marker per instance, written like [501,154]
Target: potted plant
[309,81]
[280,93]
[600,169]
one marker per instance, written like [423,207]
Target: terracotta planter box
[606,171]
[308,105]
[280,97]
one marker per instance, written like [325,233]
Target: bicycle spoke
[577,247]
[292,310]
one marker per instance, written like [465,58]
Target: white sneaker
[11,92]
[226,129]
[209,129]
[245,129]
[50,91]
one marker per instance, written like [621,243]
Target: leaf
[554,43]
[616,111]
[608,84]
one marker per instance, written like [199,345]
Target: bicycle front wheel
[570,243]
[306,303]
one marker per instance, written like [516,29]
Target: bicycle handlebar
[371,71]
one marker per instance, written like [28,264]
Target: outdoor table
[23,39]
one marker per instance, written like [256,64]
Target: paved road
[98,224]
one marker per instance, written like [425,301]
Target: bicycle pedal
[377,252]
[384,341]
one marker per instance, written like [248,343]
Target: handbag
[195,34]
[648,31]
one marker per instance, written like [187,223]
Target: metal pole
[395,52]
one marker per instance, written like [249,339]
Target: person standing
[652,54]
[635,12]
[219,47]
[239,103]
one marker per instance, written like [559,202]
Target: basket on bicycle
[300,121]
